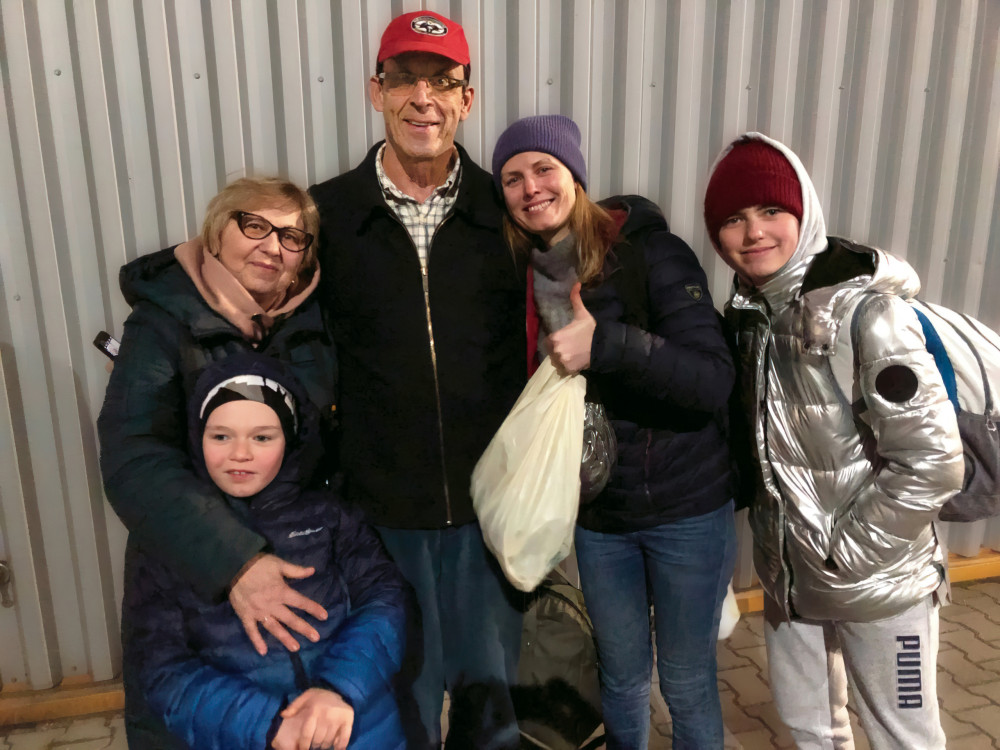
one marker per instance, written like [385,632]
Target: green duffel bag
[558,696]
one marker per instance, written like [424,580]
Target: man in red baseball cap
[426,311]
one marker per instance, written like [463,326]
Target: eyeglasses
[256,227]
[403,82]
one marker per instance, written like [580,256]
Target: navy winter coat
[200,673]
[170,336]
[665,383]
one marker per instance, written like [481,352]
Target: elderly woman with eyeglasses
[246,285]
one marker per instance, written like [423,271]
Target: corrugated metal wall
[123,117]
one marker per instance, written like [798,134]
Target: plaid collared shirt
[420,219]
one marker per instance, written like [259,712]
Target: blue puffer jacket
[201,674]
[665,380]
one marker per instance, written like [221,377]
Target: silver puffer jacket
[843,517]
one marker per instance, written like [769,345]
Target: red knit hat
[753,173]
[424,31]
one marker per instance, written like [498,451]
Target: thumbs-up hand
[570,345]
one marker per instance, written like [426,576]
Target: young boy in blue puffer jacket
[254,433]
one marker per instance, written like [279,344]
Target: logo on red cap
[428,25]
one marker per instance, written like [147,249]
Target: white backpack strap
[844,363]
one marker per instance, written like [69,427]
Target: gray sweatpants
[891,666]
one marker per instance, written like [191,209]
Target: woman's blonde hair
[261,194]
[593,227]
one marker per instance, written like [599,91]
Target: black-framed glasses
[255,227]
[403,82]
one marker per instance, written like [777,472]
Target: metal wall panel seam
[683,208]
[28,663]
[986,193]
[261,112]
[438,6]
[871,115]
[629,120]
[322,92]
[110,250]
[580,101]
[25,614]
[138,154]
[737,80]
[490,103]
[111,241]
[831,76]
[910,144]
[598,174]
[27,324]
[472,129]
[652,76]
[102,156]
[68,286]
[528,36]
[196,93]
[165,121]
[783,87]
[958,82]
[364,127]
[292,94]
[548,40]
[228,93]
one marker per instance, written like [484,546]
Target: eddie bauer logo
[304,532]
[908,685]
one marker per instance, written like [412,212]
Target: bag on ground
[557,698]
[526,485]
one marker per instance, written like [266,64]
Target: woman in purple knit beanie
[612,294]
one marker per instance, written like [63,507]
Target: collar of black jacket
[642,212]
[842,260]
[361,197]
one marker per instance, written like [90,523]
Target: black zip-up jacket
[416,413]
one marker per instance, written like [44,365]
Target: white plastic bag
[526,485]
[730,614]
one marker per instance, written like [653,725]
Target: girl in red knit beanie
[855,447]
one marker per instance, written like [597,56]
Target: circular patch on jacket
[896,383]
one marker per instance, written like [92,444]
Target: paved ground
[968,684]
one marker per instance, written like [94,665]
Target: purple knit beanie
[556,135]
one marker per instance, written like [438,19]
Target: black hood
[642,213]
[302,453]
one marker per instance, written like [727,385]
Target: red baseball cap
[424,31]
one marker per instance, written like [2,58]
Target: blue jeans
[463,636]
[685,567]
